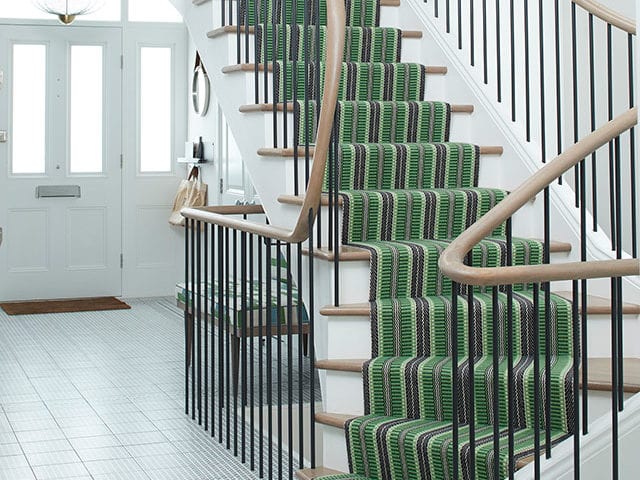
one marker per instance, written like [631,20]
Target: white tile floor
[99,395]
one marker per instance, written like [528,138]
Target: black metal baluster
[311,349]
[205,316]
[301,339]
[289,281]
[614,381]
[265,43]
[261,339]
[252,335]
[612,187]
[230,12]
[274,93]
[592,99]
[228,320]
[187,320]
[245,19]
[498,52]
[510,342]
[243,343]
[618,312]
[632,153]
[285,82]
[238,33]
[256,46]
[223,13]
[222,319]
[583,299]
[278,293]
[484,42]
[459,24]
[235,352]
[536,378]
[307,98]
[527,73]
[472,33]
[213,323]
[576,378]
[295,52]
[574,78]
[436,8]
[198,309]
[543,107]
[556,13]
[268,335]
[448,15]
[513,60]
[495,353]
[455,387]
[335,180]
[193,319]
[471,354]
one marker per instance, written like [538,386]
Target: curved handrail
[336,26]
[610,16]
[452,260]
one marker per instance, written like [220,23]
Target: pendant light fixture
[68,10]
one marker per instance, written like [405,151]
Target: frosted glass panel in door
[29,87]
[86,112]
[155,109]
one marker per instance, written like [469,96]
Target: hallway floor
[99,395]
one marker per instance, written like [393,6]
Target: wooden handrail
[336,26]
[604,13]
[452,260]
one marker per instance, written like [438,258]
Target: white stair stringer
[251,131]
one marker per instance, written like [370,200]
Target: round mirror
[200,91]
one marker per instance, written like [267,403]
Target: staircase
[451,374]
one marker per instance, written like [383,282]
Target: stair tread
[336,420]
[602,306]
[289,152]
[599,371]
[350,253]
[312,473]
[268,107]
[595,306]
[232,29]
[199,2]
[341,365]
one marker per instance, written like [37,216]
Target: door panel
[63,247]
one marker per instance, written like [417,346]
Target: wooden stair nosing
[599,372]
[602,306]
[231,29]
[344,365]
[313,473]
[289,152]
[336,420]
[251,67]
[199,2]
[268,107]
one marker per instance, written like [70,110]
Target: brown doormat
[64,306]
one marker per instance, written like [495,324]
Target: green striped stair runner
[360,13]
[407,192]
[362,44]
[393,166]
[359,81]
[381,121]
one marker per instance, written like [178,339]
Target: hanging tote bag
[192,192]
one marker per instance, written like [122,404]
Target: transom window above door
[110,11]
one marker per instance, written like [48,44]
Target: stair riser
[344,393]
[334,448]
[342,345]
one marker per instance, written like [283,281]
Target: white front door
[60,169]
